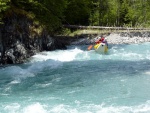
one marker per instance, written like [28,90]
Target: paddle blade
[90,47]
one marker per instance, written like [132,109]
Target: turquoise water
[79,81]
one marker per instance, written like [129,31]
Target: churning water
[79,81]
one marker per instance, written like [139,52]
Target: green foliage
[65,31]
[3,7]
[77,12]
[51,14]
[120,12]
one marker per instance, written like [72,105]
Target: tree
[77,12]
[3,8]
[48,13]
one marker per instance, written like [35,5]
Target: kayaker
[100,40]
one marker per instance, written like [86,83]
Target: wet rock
[19,40]
[10,56]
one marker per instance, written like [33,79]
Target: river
[79,81]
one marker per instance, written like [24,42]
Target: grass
[99,32]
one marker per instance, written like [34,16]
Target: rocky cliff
[20,38]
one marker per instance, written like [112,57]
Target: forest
[53,14]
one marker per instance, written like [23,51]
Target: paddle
[90,47]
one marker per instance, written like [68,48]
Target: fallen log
[103,27]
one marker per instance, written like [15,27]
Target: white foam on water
[147,73]
[17,108]
[15,74]
[12,108]
[126,56]
[40,65]
[79,108]
[34,108]
[63,109]
[15,82]
[59,55]
[116,52]
[102,108]
[43,85]
[67,55]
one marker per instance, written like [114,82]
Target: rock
[10,56]
[129,37]
[117,38]
[19,41]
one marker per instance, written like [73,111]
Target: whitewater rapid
[79,81]
[116,52]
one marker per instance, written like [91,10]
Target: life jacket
[100,40]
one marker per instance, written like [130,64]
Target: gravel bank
[114,38]
[128,38]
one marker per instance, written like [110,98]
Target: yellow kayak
[101,48]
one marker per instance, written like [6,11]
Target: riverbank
[129,37]
[114,37]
